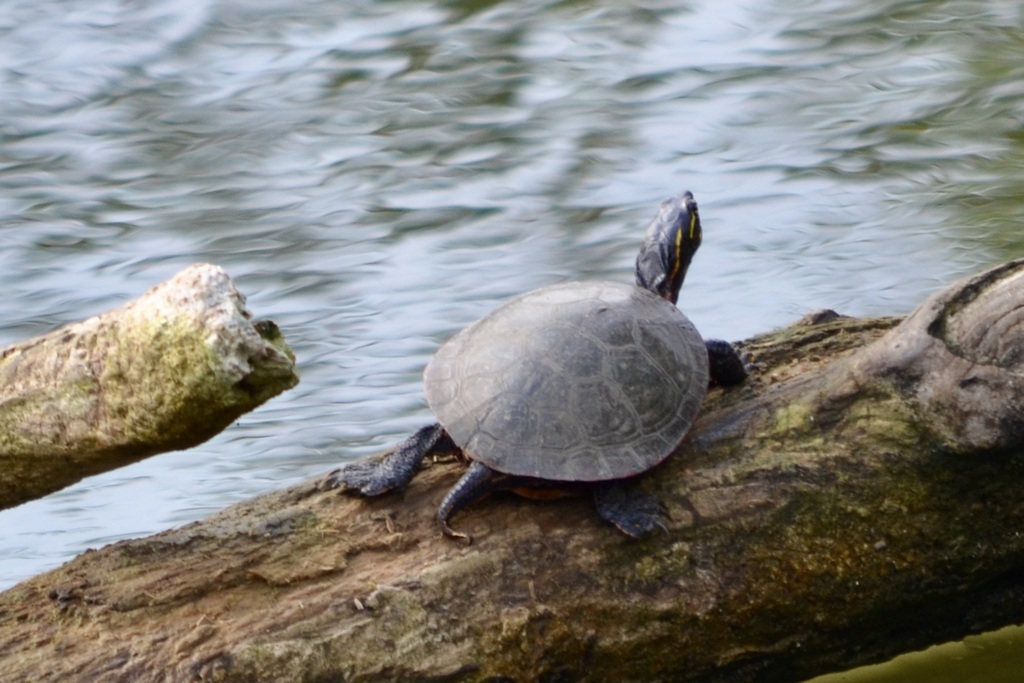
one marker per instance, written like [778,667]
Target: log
[858,498]
[164,372]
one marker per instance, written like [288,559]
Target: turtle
[578,385]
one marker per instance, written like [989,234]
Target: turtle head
[669,245]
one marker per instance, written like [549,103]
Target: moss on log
[858,498]
[164,372]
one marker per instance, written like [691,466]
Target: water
[375,177]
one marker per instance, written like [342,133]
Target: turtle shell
[574,382]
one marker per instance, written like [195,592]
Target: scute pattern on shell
[582,381]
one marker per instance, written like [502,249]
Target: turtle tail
[478,481]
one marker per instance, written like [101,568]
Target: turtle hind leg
[373,477]
[726,365]
[478,481]
[635,513]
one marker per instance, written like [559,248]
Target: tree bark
[858,498]
[163,372]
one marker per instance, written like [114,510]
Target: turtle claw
[726,365]
[379,475]
[331,481]
[635,513]
[641,520]
[365,478]
[749,364]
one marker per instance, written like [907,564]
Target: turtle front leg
[374,477]
[727,366]
[635,513]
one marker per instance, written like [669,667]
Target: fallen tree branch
[164,372]
[857,499]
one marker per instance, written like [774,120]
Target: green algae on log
[164,372]
[858,498]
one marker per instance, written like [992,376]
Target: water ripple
[377,176]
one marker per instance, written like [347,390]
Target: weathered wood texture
[859,497]
[163,372]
